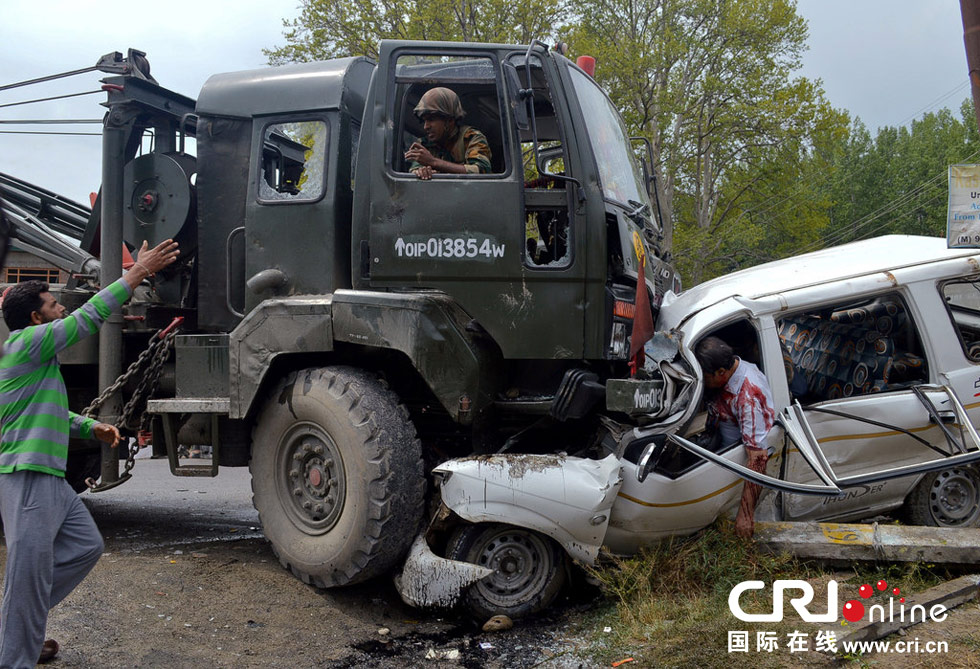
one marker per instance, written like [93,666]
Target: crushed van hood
[566,498]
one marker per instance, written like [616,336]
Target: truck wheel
[948,498]
[529,569]
[336,475]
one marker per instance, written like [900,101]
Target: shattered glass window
[293,161]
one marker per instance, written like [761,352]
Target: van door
[872,416]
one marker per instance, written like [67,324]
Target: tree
[334,28]
[710,83]
[896,183]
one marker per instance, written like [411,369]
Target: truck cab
[347,325]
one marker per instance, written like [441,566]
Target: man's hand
[745,520]
[424,172]
[106,433]
[149,261]
[158,257]
[419,154]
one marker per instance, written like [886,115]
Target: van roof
[869,256]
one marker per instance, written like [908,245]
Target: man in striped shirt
[52,541]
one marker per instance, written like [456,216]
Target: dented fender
[566,498]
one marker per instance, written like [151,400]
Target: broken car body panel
[429,580]
[566,498]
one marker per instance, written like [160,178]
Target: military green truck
[343,325]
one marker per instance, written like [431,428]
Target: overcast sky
[886,61]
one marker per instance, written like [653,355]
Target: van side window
[963,303]
[855,348]
[293,162]
[473,80]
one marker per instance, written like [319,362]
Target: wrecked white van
[872,351]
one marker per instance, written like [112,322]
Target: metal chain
[157,353]
[136,407]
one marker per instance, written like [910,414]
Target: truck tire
[947,498]
[529,569]
[337,475]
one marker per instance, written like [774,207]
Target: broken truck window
[293,161]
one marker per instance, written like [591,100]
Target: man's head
[30,303]
[439,110]
[717,361]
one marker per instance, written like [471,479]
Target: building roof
[869,256]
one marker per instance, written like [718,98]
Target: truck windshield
[618,172]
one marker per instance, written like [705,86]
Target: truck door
[467,234]
[289,235]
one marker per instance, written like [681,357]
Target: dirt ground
[230,604]
[187,581]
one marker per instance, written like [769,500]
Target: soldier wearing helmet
[448,146]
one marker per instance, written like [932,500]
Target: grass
[669,603]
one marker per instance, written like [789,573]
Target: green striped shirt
[35,423]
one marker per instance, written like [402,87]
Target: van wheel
[529,569]
[337,475]
[948,498]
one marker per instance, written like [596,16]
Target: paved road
[157,509]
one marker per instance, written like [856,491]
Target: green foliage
[896,182]
[710,83]
[335,28]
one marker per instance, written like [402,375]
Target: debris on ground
[498,624]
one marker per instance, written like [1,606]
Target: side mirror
[647,461]
[518,102]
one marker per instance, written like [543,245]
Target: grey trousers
[52,544]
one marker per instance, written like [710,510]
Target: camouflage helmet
[441,101]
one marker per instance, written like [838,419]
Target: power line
[854,229]
[51,121]
[44,132]
[935,102]
[48,78]
[55,97]
[767,205]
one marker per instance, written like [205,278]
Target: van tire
[947,498]
[337,475]
[530,569]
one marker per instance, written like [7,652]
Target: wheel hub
[956,498]
[313,484]
[521,564]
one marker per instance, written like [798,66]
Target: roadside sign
[963,211]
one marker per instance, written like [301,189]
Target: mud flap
[429,580]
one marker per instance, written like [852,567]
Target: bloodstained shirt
[744,407]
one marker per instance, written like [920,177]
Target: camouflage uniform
[467,146]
